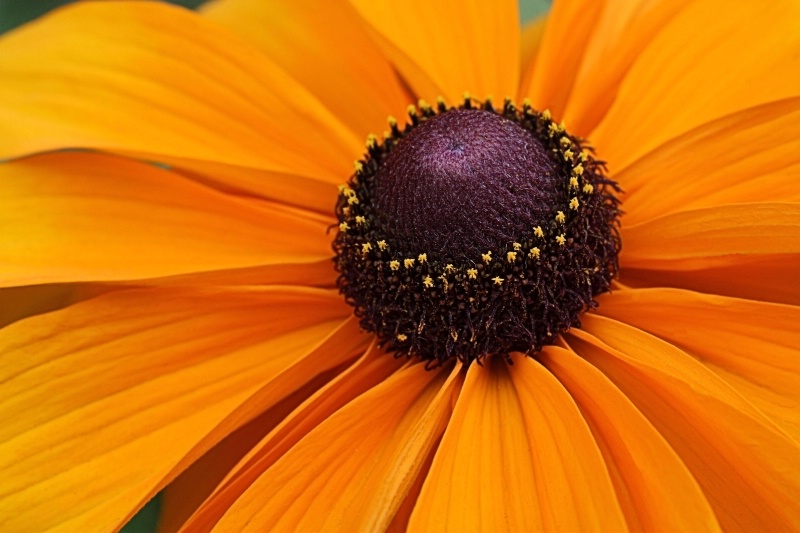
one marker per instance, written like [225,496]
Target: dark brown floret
[475,231]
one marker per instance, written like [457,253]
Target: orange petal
[314,193]
[747,467]
[368,372]
[531,43]
[752,345]
[616,40]
[704,237]
[656,489]
[503,463]
[750,156]
[349,75]
[25,301]
[769,278]
[148,77]
[106,218]
[549,80]
[107,399]
[708,62]
[353,471]
[186,493]
[455,46]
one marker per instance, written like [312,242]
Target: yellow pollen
[553,128]
[422,258]
[517,246]
[534,252]
[428,281]
[449,268]
[423,105]
[343,226]
[487,257]
[467,96]
[565,142]
[394,265]
[392,121]
[408,263]
[401,337]
[360,220]
[573,204]
[568,155]
[588,188]
[511,256]
[578,170]
[358,166]
[346,211]
[561,239]
[546,114]
[440,100]
[560,217]
[538,231]
[526,102]
[573,182]
[584,155]
[342,187]
[366,247]
[352,200]
[372,140]
[497,280]
[382,245]
[472,273]
[411,109]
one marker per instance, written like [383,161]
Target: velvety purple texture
[465,182]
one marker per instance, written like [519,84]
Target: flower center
[464,182]
[475,231]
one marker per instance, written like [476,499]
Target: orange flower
[177,327]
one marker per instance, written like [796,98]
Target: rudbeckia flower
[565,300]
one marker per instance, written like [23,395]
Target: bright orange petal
[456,46]
[349,75]
[705,237]
[369,371]
[22,302]
[750,156]
[316,193]
[747,467]
[73,216]
[616,40]
[104,400]
[353,471]
[550,80]
[656,489]
[148,77]
[768,278]
[752,345]
[503,463]
[708,62]
[531,43]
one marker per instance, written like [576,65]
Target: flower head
[178,327]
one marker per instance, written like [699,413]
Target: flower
[176,326]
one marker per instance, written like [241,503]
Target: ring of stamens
[437,304]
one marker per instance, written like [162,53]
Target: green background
[16,12]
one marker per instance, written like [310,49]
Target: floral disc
[475,231]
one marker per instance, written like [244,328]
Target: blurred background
[16,12]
